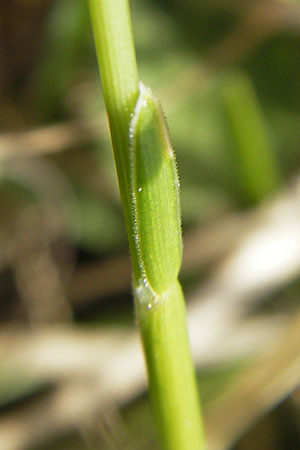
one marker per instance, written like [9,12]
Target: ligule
[154,187]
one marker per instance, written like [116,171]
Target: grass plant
[149,190]
[256,167]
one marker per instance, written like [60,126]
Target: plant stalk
[160,313]
[120,85]
[172,383]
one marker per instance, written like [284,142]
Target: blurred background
[228,76]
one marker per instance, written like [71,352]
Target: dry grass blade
[272,378]
[103,358]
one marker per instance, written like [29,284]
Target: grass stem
[148,184]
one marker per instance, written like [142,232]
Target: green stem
[172,382]
[119,76]
[160,312]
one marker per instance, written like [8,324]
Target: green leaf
[154,186]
